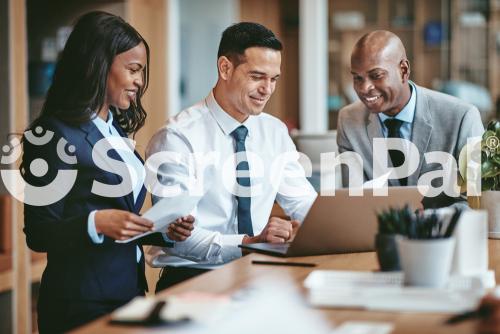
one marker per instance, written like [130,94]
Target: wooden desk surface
[235,275]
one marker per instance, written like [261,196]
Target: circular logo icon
[492,143]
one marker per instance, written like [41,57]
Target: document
[385,291]
[166,211]
[364,327]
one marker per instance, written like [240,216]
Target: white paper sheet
[364,327]
[384,291]
[166,211]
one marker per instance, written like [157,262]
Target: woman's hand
[181,229]
[120,224]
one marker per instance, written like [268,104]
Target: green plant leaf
[496,159]
[489,169]
[494,126]
[487,183]
[484,156]
[488,134]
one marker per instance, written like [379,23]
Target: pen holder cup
[426,262]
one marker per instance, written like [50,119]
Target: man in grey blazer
[391,105]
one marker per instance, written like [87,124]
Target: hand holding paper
[181,229]
[166,212]
[120,224]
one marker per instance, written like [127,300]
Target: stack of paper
[385,292]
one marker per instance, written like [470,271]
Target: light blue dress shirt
[406,115]
[108,130]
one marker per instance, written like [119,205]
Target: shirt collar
[408,112]
[227,123]
[98,120]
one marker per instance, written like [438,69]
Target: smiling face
[248,86]
[380,78]
[125,78]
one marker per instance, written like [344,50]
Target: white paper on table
[364,327]
[137,309]
[385,291]
[166,211]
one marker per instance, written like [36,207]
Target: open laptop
[341,223]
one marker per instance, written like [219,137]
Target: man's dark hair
[241,36]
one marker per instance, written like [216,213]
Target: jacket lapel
[142,194]
[421,131]
[92,137]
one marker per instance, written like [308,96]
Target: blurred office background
[453,46]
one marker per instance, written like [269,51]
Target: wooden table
[237,274]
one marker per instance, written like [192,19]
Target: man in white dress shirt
[227,125]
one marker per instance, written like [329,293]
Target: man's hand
[181,229]
[120,224]
[277,230]
[295,228]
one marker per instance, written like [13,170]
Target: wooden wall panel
[4,77]
[267,13]
[494,53]
[18,94]
[149,18]
[290,62]
[5,224]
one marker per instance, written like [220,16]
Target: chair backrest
[313,145]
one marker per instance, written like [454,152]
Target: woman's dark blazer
[78,269]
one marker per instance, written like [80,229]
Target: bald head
[380,72]
[380,43]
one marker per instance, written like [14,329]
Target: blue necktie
[244,213]
[397,157]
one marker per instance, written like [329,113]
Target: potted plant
[391,223]
[396,223]
[490,176]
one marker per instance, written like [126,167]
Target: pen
[480,313]
[154,314]
[281,263]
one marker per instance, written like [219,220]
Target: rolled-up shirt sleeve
[295,195]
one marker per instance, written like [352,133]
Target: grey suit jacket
[441,123]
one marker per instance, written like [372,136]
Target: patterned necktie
[397,157]
[244,213]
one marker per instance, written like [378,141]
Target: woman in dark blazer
[81,196]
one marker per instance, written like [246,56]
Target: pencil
[478,313]
[455,319]
[282,263]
